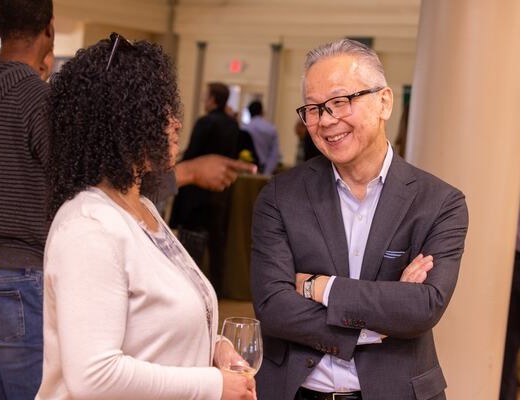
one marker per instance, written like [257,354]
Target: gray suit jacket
[297,227]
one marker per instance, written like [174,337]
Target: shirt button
[364,335]
[360,217]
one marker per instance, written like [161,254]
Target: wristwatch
[308,286]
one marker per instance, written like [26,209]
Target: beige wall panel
[150,15]
[298,19]
[95,32]
[399,69]
[289,98]
[186,66]
[69,36]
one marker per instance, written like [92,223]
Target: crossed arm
[415,272]
[283,245]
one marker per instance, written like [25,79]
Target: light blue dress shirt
[265,139]
[333,374]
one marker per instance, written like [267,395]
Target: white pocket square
[393,254]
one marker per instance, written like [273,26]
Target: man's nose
[325,116]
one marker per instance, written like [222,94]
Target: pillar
[199,71]
[274,73]
[464,128]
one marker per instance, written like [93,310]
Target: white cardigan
[121,321]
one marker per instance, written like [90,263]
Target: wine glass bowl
[240,349]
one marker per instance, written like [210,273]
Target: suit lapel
[396,197]
[321,188]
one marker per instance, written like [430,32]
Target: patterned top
[166,241]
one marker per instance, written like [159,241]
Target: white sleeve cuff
[327,291]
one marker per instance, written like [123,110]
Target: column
[169,40]
[197,90]
[463,127]
[274,72]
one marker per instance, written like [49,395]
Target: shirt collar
[384,169]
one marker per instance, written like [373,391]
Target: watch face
[307,285]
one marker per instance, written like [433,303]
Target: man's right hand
[417,270]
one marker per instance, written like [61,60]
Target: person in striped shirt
[27,35]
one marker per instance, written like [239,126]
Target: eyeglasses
[337,107]
[117,41]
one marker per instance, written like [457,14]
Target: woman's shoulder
[90,209]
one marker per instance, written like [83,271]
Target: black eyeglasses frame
[321,106]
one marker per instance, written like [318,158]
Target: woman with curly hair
[127,313]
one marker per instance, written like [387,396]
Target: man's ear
[49,30]
[387,103]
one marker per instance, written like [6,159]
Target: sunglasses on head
[118,41]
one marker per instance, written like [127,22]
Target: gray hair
[348,47]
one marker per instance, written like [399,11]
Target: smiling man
[355,254]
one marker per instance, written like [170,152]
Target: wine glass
[240,349]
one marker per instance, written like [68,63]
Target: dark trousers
[508,386]
[204,228]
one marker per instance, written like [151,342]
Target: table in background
[238,244]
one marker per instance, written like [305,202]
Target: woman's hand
[238,386]
[225,355]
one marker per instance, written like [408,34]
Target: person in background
[246,147]
[27,35]
[306,147]
[265,138]
[127,313]
[355,255]
[201,216]
[509,385]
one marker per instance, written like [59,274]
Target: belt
[308,394]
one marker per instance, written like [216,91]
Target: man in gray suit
[346,298]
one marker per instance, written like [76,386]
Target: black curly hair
[20,19]
[110,123]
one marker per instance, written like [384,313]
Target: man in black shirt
[200,215]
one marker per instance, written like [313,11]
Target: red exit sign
[236,66]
